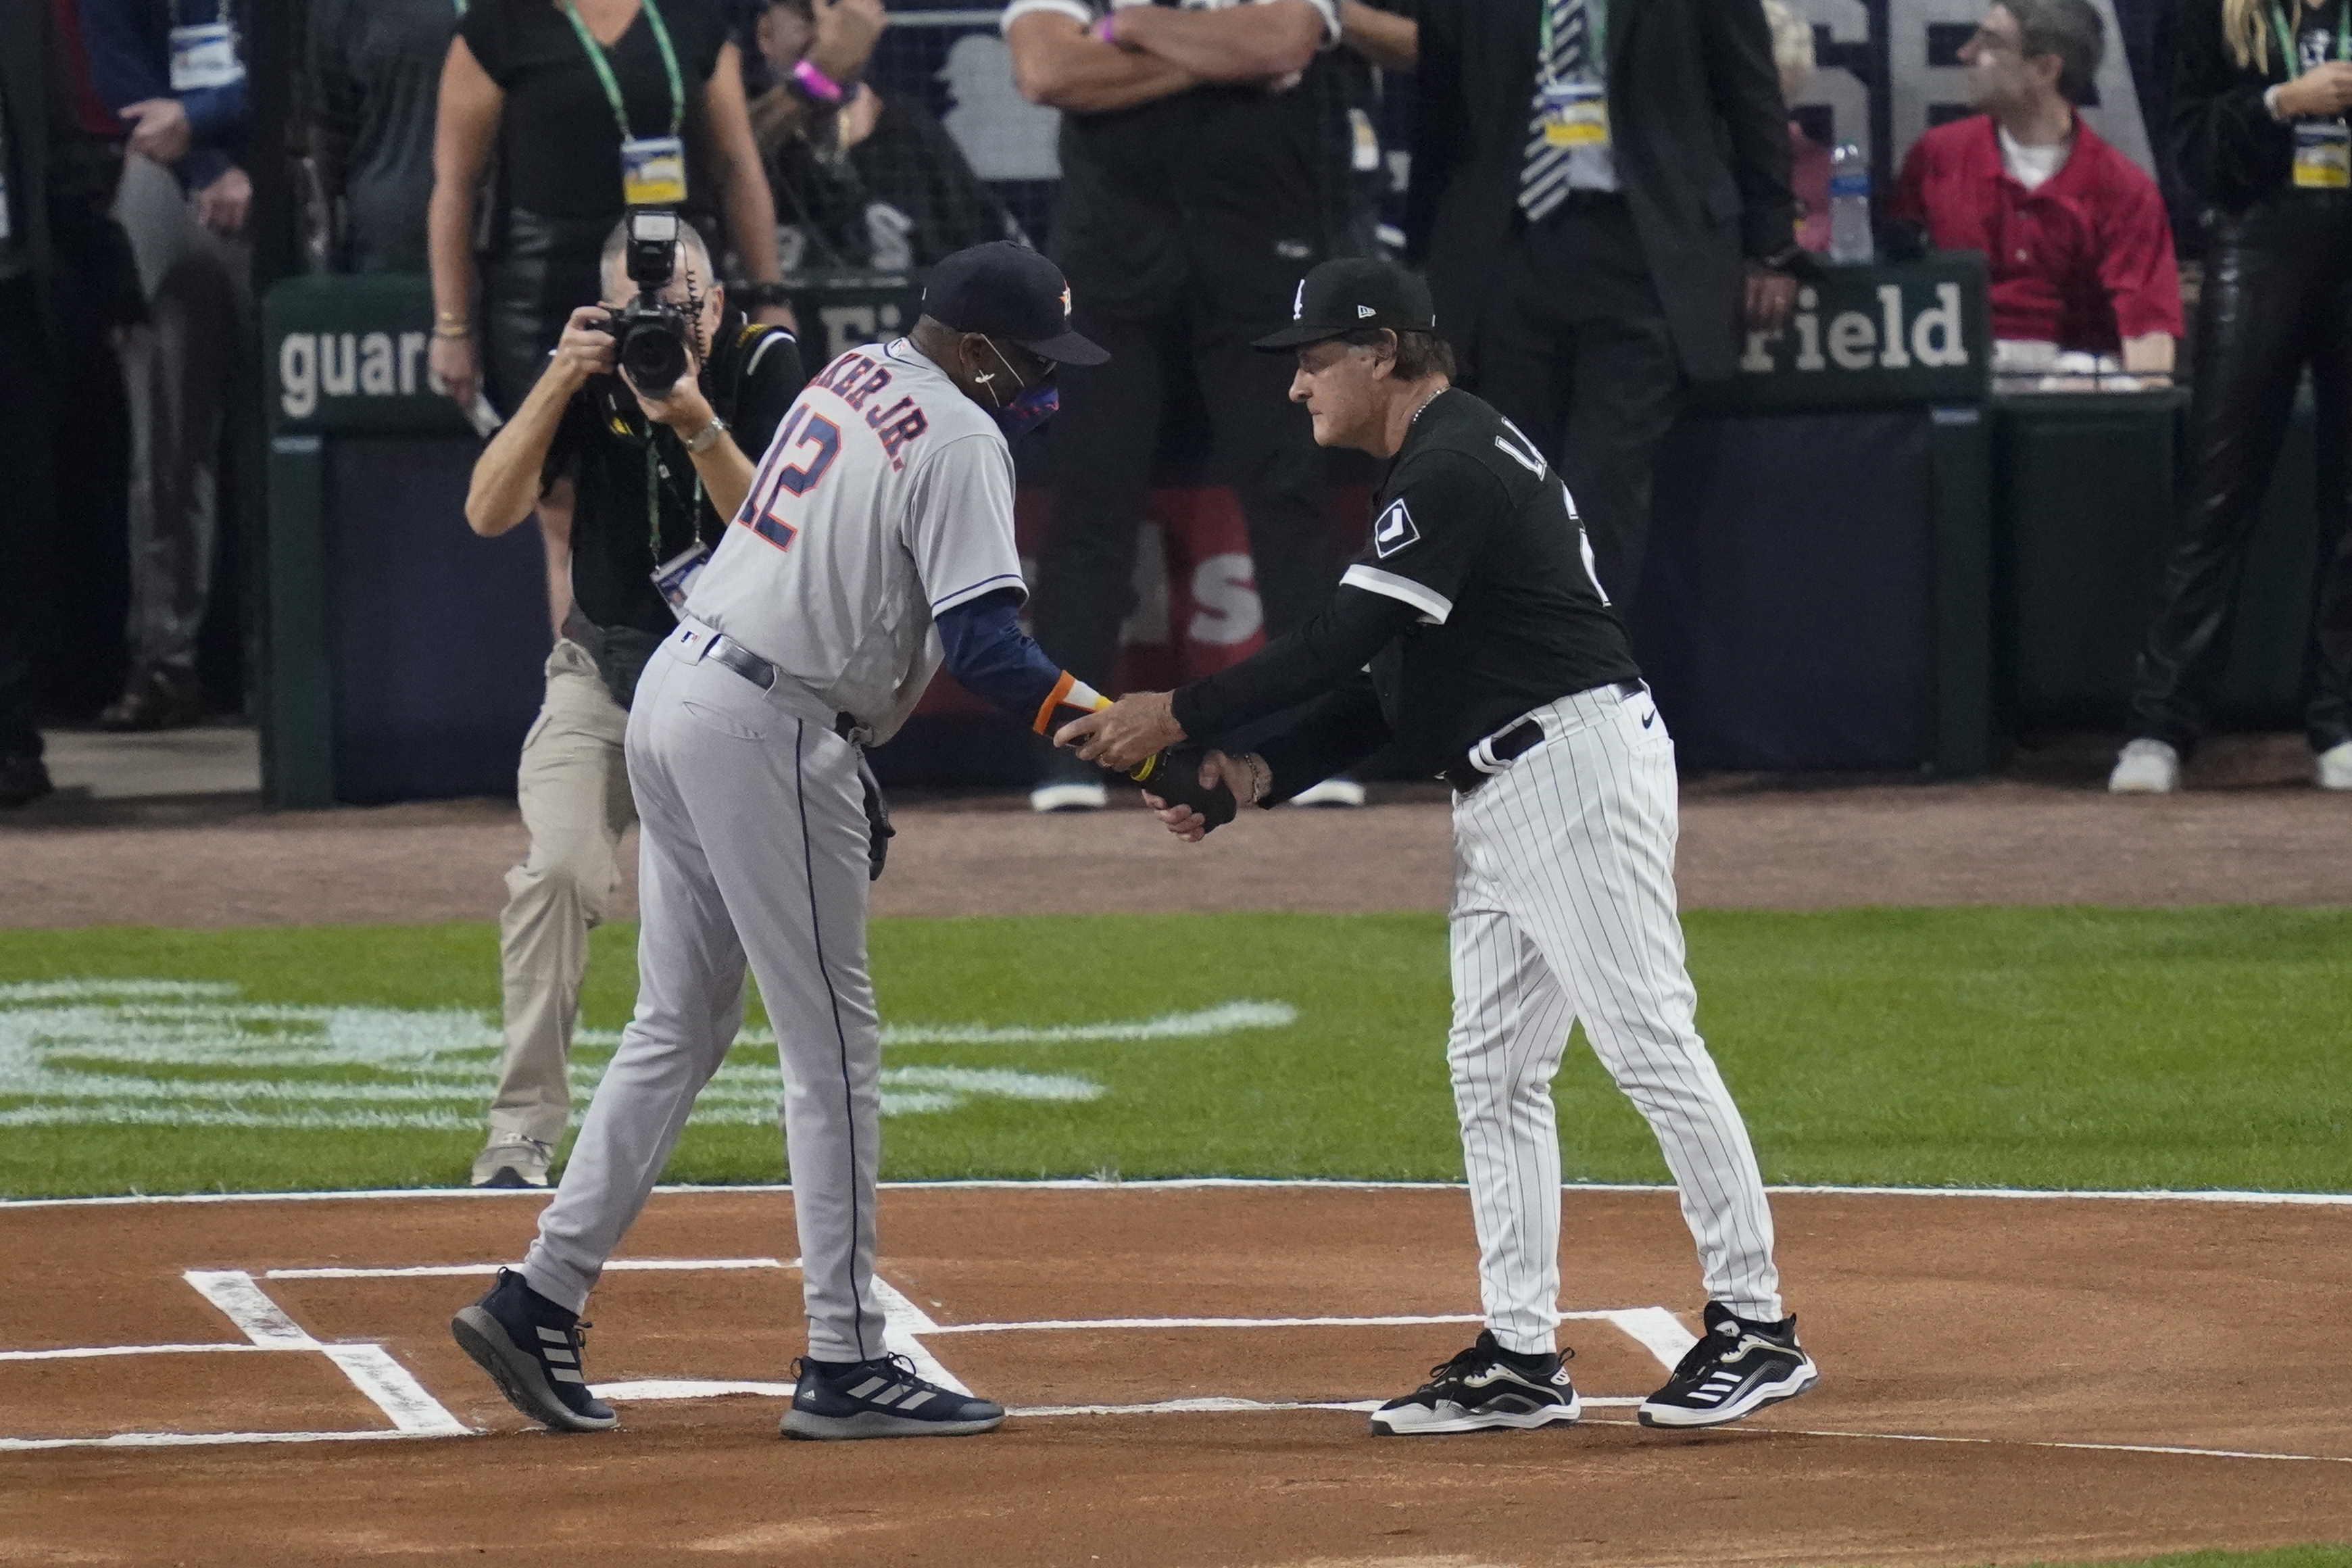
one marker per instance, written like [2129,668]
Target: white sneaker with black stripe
[834,1400]
[1737,1368]
[1485,1386]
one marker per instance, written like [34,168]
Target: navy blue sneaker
[1737,1368]
[531,1349]
[880,1398]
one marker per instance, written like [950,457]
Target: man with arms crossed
[877,538]
[1495,661]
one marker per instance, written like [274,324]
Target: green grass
[2017,1048]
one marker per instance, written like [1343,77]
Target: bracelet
[818,84]
[707,438]
[1260,778]
[1107,29]
[452,333]
[2271,102]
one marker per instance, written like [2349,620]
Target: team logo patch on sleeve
[1394,531]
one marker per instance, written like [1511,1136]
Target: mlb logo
[1394,531]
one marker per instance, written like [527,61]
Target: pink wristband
[818,84]
[1107,29]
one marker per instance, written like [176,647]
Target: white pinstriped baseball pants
[1564,910]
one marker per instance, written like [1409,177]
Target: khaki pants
[574,790]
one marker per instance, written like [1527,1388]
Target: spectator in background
[1599,204]
[2256,125]
[56,181]
[375,68]
[183,201]
[1207,164]
[859,180]
[1809,161]
[2073,233]
[562,91]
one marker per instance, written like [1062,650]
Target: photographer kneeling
[646,422]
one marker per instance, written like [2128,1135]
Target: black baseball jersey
[1475,531]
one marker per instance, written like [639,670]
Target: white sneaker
[1330,792]
[2146,767]
[2335,766]
[1068,794]
[513,1161]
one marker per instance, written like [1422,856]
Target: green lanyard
[2294,56]
[653,503]
[1596,38]
[461,8]
[596,56]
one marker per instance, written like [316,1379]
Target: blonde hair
[2249,39]
[1792,47]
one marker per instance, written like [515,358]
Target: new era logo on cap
[1355,292]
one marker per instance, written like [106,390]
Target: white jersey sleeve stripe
[998,583]
[1076,10]
[1433,606]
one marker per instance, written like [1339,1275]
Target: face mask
[1028,411]
[1029,408]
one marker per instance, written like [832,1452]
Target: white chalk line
[454,1270]
[384,1382]
[2167,1449]
[1201,1184]
[79,1352]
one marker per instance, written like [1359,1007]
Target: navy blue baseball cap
[1008,290]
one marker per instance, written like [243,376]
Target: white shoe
[1068,794]
[2335,766]
[1330,792]
[2148,767]
[513,1161]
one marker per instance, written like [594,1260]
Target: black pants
[1577,354]
[2278,296]
[28,515]
[1103,441]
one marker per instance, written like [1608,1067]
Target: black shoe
[156,697]
[1485,1387]
[1735,1369]
[531,1349]
[880,1398]
[23,780]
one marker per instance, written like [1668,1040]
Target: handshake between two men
[1192,790]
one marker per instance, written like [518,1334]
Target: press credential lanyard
[204,55]
[2322,148]
[653,168]
[1576,111]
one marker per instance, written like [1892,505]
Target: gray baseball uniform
[886,499]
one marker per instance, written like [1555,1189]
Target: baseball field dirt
[2005,1379]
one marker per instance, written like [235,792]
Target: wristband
[1107,29]
[2270,102]
[817,83]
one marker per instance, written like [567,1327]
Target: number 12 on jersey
[777,479]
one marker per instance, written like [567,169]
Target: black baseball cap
[1350,294]
[1008,290]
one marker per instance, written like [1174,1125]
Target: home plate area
[2004,1377]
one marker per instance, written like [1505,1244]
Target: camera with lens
[655,337]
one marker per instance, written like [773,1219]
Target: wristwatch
[707,436]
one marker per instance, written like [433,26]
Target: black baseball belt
[1513,740]
[765,675]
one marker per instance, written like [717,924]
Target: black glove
[878,831]
[1174,775]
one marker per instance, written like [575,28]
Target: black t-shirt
[605,447]
[910,165]
[1234,188]
[1473,529]
[377,68]
[559,145]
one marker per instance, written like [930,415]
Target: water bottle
[1849,205]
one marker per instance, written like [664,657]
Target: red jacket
[2083,262]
